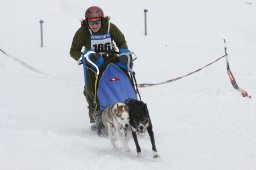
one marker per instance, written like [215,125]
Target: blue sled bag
[114,86]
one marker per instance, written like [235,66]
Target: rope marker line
[231,77]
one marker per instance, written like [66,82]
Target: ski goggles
[96,21]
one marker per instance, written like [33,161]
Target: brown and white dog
[116,121]
[140,122]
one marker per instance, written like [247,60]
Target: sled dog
[140,122]
[116,121]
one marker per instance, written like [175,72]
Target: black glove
[123,60]
[94,57]
[97,59]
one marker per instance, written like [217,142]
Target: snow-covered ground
[200,122]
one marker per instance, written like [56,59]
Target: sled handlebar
[128,54]
[90,61]
[84,57]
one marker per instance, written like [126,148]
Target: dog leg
[134,135]
[128,136]
[127,139]
[113,141]
[127,148]
[125,144]
[152,139]
[111,136]
[120,137]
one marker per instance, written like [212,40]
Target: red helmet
[94,12]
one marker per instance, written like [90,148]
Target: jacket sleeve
[77,44]
[118,37]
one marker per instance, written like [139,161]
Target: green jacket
[83,38]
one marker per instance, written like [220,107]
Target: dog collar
[134,129]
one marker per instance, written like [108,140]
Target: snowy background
[200,122]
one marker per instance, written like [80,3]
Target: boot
[91,114]
[99,123]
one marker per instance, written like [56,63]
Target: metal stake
[145,20]
[41,31]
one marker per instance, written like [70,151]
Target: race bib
[101,42]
